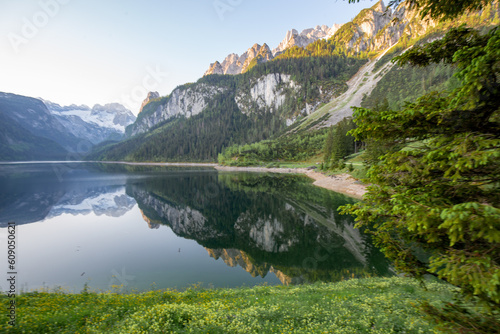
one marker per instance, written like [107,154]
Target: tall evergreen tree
[434,206]
[339,143]
[328,146]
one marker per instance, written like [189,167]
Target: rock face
[378,28]
[234,64]
[151,96]
[186,101]
[268,93]
[373,29]
[306,37]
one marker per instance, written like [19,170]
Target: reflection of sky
[70,250]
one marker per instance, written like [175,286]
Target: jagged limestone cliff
[267,93]
[376,28]
[234,64]
[310,86]
[186,102]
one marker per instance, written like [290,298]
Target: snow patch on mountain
[112,115]
[95,124]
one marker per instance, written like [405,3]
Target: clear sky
[103,51]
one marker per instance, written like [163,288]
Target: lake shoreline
[341,183]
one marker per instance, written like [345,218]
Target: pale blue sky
[89,51]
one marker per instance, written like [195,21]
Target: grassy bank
[373,305]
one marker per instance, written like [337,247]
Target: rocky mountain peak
[379,7]
[235,64]
[214,68]
[306,37]
[151,96]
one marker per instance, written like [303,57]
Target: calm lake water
[126,228]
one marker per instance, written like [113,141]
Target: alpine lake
[123,228]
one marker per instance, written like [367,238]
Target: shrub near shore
[373,305]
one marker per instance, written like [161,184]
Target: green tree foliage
[406,83]
[329,146]
[434,206]
[199,138]
[343,143]
[440,9]
[339,143]
[375,148]
[17,143]
[222,124]
[443,10]
[292,147]
[311,72]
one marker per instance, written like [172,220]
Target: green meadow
[370,305]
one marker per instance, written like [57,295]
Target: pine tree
[328,146]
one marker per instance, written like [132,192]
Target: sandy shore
[342,183]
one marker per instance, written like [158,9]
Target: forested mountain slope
[300,89]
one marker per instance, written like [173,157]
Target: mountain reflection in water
[260,222]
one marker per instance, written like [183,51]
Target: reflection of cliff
[184,221]
[267,233]
[152,224]
[235,257]
[282,225]
[285,279]
[352,237]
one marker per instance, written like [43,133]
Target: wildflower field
[372,305]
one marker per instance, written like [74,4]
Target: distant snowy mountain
[97,124]
[34,129]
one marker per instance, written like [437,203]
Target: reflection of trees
[272,223]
